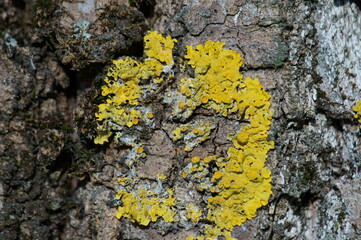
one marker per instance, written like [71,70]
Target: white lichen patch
[339,33]
[294,222]
[80,29]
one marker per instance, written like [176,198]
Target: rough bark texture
[56,184]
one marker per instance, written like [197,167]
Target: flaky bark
[56,184]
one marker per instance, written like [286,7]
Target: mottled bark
[55,183]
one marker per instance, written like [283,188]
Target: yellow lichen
[195,159]
[193,213]
[102,137]
[159,48]
[150,115]
[217,78]
[144,206]
[129,80]
[241,181]
[127,84]
[357,110]
[236,185]
[161,176]
[193,133]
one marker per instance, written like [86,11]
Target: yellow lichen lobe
[216,80]
[144,206]
[161,176]
[150,115]
[193,213]
[102,137]
[195,159]
[158,47]
[357,109]
[217,175]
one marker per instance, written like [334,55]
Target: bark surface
[55,183]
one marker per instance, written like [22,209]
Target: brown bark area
[56,184]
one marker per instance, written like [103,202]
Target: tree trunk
[57,184]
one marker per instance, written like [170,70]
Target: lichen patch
[234,182]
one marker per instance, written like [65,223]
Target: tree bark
[55,183]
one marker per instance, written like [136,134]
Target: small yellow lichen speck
[161,176]
[357,110]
